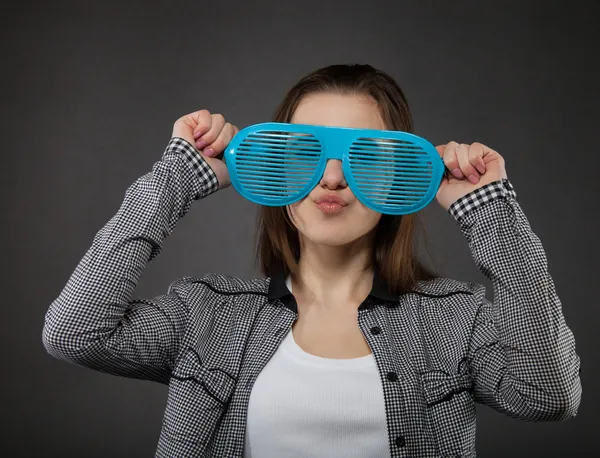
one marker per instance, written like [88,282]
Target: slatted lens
[275,165]
[390,173]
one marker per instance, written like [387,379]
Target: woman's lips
[330,207]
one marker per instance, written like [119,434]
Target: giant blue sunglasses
[277,164]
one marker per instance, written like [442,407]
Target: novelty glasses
[277,164]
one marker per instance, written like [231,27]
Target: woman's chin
[330,236]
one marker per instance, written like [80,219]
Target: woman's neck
[333,277]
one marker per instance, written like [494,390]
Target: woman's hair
[394,255]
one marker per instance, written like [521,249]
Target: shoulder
[440,287]
[449,300]
[461,296]
[219,284]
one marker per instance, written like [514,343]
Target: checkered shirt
[439,349]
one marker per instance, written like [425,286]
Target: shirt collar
[278,289]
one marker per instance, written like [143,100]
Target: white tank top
[302,405]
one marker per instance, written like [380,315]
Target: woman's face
[354,220]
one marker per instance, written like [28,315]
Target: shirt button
[400,441]
[392,376]
[375,330]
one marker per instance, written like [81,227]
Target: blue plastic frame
[336,142]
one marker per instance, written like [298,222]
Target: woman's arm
[94,322]
[522,353]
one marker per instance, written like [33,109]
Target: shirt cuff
[500,189]
[209,182]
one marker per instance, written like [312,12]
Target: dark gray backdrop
[90,95]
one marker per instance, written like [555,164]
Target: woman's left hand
[471,167]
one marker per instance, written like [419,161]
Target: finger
[462,153]
[488,153]
[451,161]
[203,122]
[476,152]
[221,142]
[217,123]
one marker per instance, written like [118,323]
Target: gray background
[89,97]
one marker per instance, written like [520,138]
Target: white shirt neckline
[294,351]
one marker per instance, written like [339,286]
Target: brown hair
[394,255]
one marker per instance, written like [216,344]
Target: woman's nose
[333,176]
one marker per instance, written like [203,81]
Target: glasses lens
[391,173]
[273,166]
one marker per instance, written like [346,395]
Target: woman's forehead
[339,110]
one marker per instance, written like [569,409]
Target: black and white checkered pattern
[439,349]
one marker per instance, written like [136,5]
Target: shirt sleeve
[95,322]
[522,353]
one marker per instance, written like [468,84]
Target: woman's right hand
[210,134]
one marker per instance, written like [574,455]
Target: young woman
[348,346]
